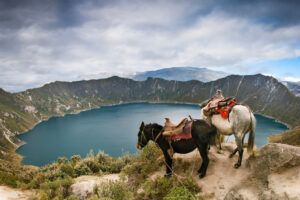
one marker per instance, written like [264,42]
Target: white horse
[241,120]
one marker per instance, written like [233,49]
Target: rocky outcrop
[291,137]
[275,175]
[84,185]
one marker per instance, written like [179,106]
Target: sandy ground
[220,177]
[7,193]
[286,182]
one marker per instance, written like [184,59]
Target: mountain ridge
[20,111]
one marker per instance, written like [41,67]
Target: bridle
[144,136]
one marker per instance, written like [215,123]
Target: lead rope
[176,175]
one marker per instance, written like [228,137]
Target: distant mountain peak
[182,74]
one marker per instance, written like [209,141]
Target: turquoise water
[112,129]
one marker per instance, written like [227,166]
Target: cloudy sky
[47,40]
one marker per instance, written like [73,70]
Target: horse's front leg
[168,162]
[205,160]
[220,142]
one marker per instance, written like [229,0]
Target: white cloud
[127,37]
[291,79]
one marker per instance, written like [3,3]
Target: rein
[155,139]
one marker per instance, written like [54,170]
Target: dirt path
[221,175]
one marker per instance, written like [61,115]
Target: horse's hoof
[237,165]
[167,175]
[201,175]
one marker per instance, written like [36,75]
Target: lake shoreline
[195,108]
[124,103]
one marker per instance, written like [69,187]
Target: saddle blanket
[187,132]
[224,111]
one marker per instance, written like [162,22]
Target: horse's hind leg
[239,142]
[220,141]
[205,160]
[234,152]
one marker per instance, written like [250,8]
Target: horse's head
[142,138]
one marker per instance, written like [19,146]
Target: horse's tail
[251,134]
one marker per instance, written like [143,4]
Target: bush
[82,169]
[58,188]
[62,160]
[73,197]
[180,193]
[75,159]
[8,179]
[67,169]
[92,165]
[167,187]
[143,165]
[116,190]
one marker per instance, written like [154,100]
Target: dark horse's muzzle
[139,146]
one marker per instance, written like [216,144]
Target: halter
[143,135]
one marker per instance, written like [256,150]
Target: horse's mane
[155,125]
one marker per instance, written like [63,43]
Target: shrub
[143,165]
[67,169]
[166,187]
[8,179]
[75,159]
[96,198]
[58,188]
[82,169]
[62,160]
[73,197]
[116,190]
[92,165]
[180,193]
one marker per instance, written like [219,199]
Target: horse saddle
[171,128]
[208,111]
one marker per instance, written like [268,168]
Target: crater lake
[112,129]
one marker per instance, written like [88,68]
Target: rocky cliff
[291,137]
[274,174]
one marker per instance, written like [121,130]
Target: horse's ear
[142,125]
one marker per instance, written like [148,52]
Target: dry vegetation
[53,181]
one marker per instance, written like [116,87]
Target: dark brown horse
[202,136]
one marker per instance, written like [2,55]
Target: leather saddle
[221,103]
[171,128]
